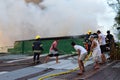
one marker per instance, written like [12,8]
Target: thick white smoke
[20,20]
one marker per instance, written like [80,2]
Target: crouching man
[82,53]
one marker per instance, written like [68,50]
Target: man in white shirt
[102,42]
[82,53]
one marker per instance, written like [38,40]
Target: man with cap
[37,49]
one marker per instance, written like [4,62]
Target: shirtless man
[96,51]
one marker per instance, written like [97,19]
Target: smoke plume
[24,19]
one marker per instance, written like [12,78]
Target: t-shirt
[54,45]
[109,37]
[102,41]
[82,49]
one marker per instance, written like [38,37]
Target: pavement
[14,69]
[109,72]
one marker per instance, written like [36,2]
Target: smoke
[20,20]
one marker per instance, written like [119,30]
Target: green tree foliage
[115,4]
[115,47]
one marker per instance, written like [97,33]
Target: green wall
[25,47]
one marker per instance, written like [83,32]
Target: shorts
[53,53]
[103,48]
[96,55]
[97,59]
[82,56]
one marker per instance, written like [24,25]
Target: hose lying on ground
[66,72]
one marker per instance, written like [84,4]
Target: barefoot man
[96,51]
[82,53]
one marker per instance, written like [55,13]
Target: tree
[115,48]
[115,4]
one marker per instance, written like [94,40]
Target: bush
[115,51]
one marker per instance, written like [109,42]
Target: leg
[96,65]
[103,55]
[96,62]
[81,58]
[83,68]
[38,55]
[103,58]
[80,66]
[34,57]
[47,58]
[57,59]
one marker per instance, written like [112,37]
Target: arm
[93,45]
[99,38]
[79,52]
[32,46]
[41,46]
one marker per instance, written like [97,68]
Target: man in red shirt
[53,51]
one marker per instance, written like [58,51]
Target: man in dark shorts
[53,51]
[37,49]
[102,42]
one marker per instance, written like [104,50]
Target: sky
[21,21]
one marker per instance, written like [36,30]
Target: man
[96,52]
[102,42]
[110,44]
[87,43]
[37,49]
[109,39]
[82,53]
[53,51]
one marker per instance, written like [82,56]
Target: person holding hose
[82,53]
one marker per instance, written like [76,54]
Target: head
[73,43]
[108,32]
[91,38]
[37,37]
[89,32]
[57,40]
[98,32]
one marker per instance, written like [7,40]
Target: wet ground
[21,67]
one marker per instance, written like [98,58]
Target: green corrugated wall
[25,47]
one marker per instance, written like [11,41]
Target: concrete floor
[34,72]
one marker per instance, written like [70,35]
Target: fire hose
[66,72]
